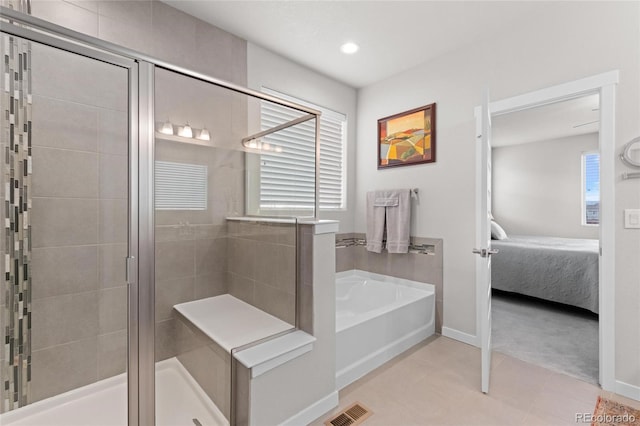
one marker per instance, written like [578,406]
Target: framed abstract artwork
[407,138]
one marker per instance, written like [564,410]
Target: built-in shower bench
[256,339]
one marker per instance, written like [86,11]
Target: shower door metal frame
[140,263]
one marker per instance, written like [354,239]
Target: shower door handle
[132,270]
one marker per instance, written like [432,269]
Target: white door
[483,237]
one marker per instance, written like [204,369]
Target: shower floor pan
[179,400]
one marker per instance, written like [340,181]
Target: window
[180,186]
[591,188]
[287,177]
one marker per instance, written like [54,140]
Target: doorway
[604,86]
[545,208]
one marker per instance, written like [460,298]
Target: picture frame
[407,138]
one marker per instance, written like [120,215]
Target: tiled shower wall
[79,221]
[262,266]
[192,245]
[421,267]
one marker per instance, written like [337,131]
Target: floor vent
[352,415]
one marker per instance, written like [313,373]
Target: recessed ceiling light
[349,48]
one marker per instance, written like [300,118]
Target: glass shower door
[225,240]
[64,235]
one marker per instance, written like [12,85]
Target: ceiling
[558,120]
[393,35]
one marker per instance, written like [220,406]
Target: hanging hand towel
[375,223]
[398,221]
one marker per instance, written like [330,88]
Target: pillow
[497,233]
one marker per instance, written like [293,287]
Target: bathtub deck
[230,322]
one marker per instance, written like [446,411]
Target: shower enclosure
[142,230]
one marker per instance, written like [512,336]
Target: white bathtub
[377,318]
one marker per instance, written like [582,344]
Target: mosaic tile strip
[413,247]
[15,373]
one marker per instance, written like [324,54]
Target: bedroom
[545,203]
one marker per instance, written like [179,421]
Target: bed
[563,270]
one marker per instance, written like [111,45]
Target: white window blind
[180,186]
[591,188]
[287,178]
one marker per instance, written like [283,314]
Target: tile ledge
[261,219]
[322,226]
[275,352]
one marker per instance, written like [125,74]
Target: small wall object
[631,153]
[407,138]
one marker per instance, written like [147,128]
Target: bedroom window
[287,181]
[591,189]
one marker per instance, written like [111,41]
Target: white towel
[384,201]
[399,222]
[395,206]
[375,223]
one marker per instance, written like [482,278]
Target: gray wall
[537,187]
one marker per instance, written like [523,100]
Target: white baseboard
[313,411]
[625,389]
[461,336]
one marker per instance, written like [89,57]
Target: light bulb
[186,131]
[349,48]
[167,128]
[204,135]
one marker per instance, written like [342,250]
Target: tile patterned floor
[437,383]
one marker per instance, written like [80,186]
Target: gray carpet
[557,337]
